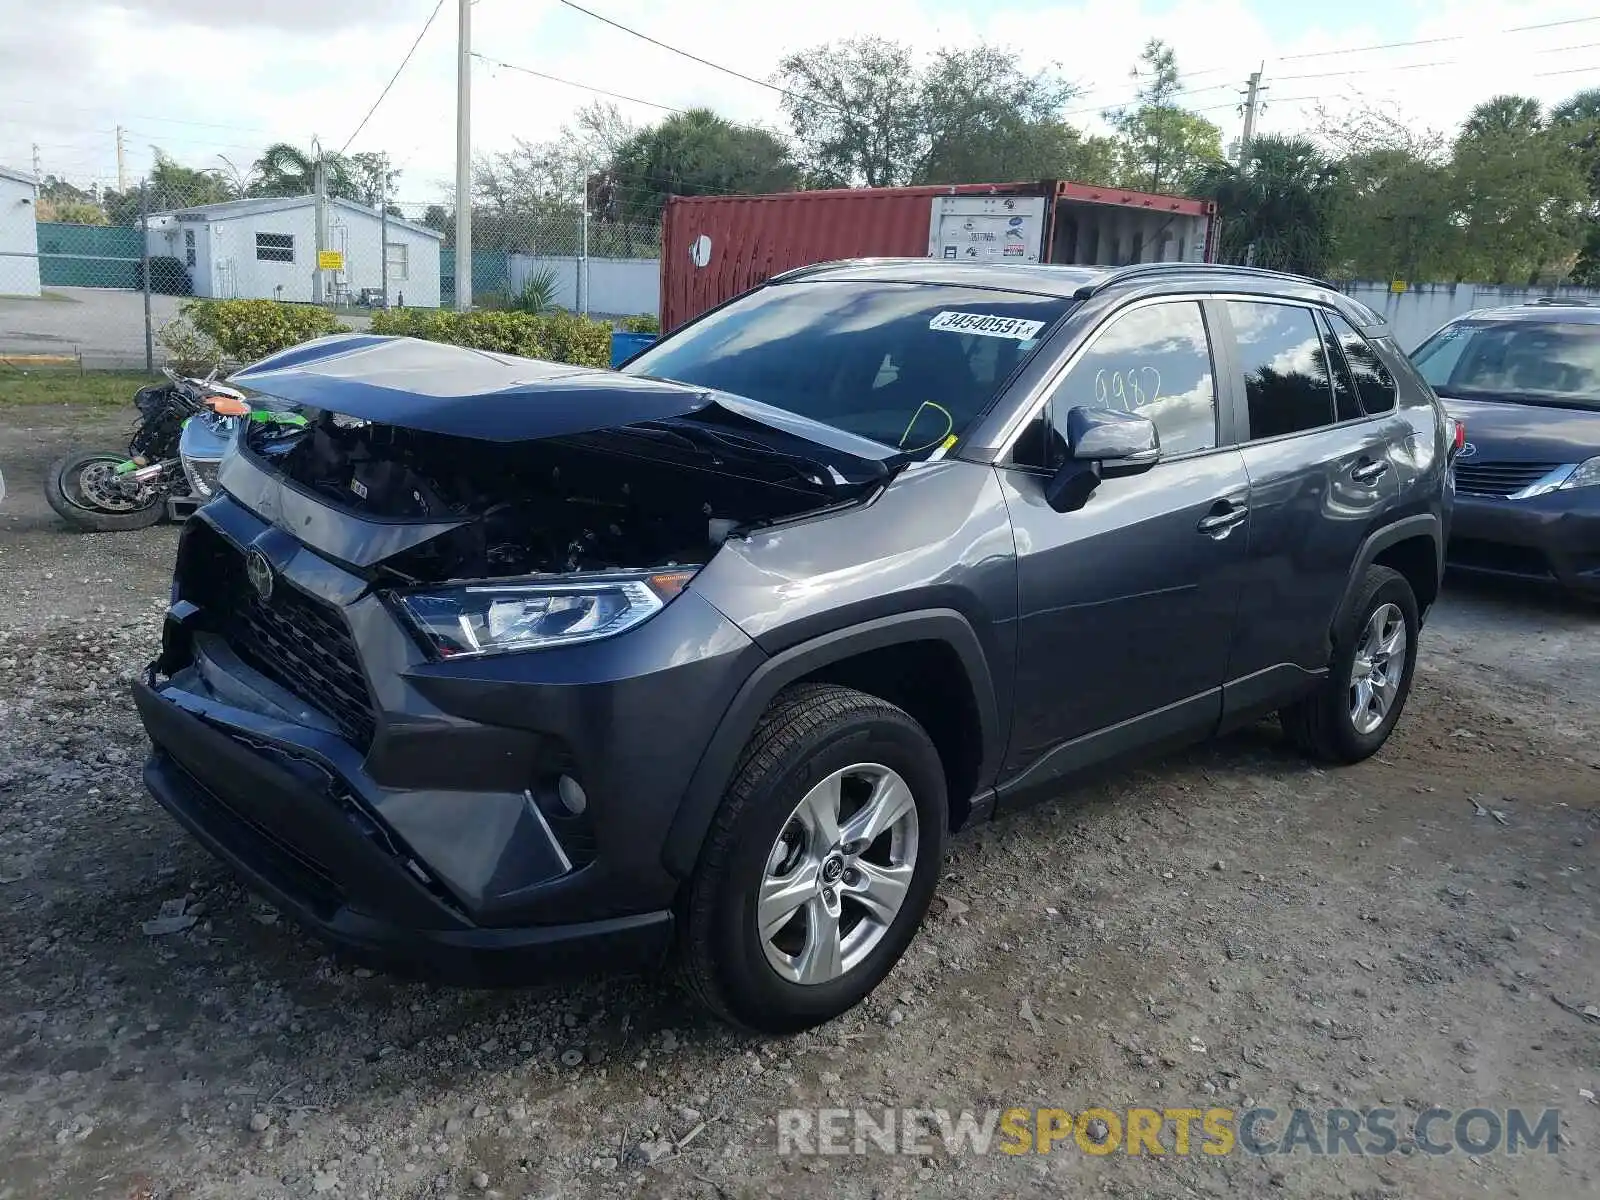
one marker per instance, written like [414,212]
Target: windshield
[1532,361]
[910,365]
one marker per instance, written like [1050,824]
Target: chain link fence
[93,282]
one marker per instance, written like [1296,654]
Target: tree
[1276,205]
[1523,193]
[856,112]
[1162,145]
[1514,115]
[1394,212]
[863,112]
[987,121]
[170,185]
[695,153]
[1576,121]
[67,203]
[287,170]
[372,179]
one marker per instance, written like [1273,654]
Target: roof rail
[1136,270]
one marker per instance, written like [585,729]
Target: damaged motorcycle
[170,466]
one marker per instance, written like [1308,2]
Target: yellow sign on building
[330,260]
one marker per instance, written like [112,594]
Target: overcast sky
[225,77]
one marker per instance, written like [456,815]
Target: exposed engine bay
[638,496]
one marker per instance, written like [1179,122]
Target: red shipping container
[715,247]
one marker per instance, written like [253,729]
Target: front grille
[1498,478]
[297,641]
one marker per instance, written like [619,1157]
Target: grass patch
[96,389]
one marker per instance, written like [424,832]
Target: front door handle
[1368,472]
[1224,515]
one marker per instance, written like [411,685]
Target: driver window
[1154,361]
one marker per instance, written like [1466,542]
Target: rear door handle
[1224,515]
[1368,472]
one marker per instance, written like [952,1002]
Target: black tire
[1321,725]
[62,491]
[809,732]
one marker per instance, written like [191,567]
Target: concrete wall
[1423,307]
[19,239]
[617,286]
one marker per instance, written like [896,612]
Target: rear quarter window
[1374,381]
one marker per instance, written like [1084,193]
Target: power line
[1568,71]
[587,87]
[1376,46]
[705,62]
[1433,41]
[1448,62]
[426,25]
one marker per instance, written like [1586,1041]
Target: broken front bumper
[266,810]
[407,808]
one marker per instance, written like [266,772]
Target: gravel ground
[1228,926]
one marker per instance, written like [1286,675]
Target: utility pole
[464,159]
[37,173]
[383,226]
[1252,102]
[144,275]
[583,249]
[319,175]
[122,166]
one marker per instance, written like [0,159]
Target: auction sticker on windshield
[987,325]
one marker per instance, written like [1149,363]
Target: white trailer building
[19,237]
[266,249]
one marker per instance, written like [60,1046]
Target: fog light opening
[572,796]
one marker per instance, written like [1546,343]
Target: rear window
[1551,361]
[906,364]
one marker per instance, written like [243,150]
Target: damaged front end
[554,470]
[334,710]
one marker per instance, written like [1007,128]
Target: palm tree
[1504,114]
[1275,205]
[286,170]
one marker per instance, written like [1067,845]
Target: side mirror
[1101,444]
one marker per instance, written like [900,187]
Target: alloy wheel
[1380,663]
[838,874]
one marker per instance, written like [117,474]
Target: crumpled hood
[458,391]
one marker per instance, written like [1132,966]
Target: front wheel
[85,490]
[1351,714]
[820,863]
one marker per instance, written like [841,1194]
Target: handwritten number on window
[1128,389]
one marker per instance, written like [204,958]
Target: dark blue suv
[499,668]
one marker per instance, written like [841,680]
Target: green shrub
[538,294]
[643,323]
[189,351]
[556,336]
[246,330]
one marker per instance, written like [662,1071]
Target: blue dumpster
[625,345]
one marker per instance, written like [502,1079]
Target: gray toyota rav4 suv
[497,669]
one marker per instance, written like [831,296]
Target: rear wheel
[820,863]
[85,490]
[1354,710]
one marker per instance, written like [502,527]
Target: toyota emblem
[259,571]
[1467,450]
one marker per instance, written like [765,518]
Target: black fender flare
[710,779]
[1427,525]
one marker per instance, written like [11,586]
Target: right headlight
[1586,475]
[497,617]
